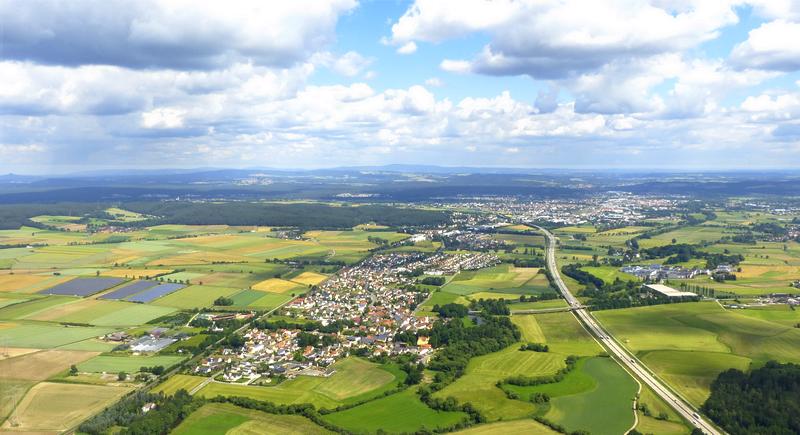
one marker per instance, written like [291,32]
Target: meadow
[504,278]
[219,418]
[353,380]
[689,344]
[127,363]
[399,412]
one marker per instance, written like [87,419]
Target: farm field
[526,426]
[129,364]
[615,388]
[102,313]
[56,406]
[178,382]
[504,278]
[718,339]
[43,335]
[41,365]
[276,285]
[194,296]
[354,378]
[224,418]
[399,412]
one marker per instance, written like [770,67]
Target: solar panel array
[155,292]
[130,289]
[82,286]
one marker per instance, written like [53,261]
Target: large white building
[669,292]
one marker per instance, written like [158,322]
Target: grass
[575,382]
[609,274]
[32,307]
[194,296]
[615,389]
[504,278]
[45,335]
[178,382]
[129,364]
[224,418]
[689,344]
[103,313]
[58,406]
[526,426]
[400,412]
[11,392]
[354,379]
[565,335]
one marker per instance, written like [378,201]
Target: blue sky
[530,83]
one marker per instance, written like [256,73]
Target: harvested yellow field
[56,407]
[275,285]
[135,273]
[769,271]
[17,282]
[309,278]
[38,366]
[12,352]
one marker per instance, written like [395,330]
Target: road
[633,364]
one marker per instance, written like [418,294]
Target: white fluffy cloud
[179,34]
[556,38]
[773,45]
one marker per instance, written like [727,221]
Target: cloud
[771,46]
[554,39]
[434,82]
[163,118]
[407,48]
[180,34]
[349,64]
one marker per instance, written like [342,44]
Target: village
[360,310]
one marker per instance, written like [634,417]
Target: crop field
[565,335]
[11,392]
[526,426]
[24,283]
[38,366]
[354,379]
[538,305]
[45,335]
[57,406]
[129,364]
[690,235]
[103,313]
[439,297]
[609,273]
[277,285]
[715,338]
[502,279]
[178,382]
[224,418]
[400,412]
[309,278]
[135,273]
[194,296]
[614,388]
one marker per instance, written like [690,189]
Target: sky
[684,84]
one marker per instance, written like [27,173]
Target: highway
[633,364]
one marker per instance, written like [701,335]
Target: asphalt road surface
[621,354]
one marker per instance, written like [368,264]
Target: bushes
[451,310]
[535,347]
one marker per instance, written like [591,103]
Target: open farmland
[715,339]
[125,363]
[178,382]
[276,285]
[218,418]
[42,335]
[399,412]
[354,378]
[56,406]
[500,279]
[38,366]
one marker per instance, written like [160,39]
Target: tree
[121,376]
[73,370]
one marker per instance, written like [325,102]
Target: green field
[689,344]
[526,426]
[178,382]
[614,388]
[353,380]
[194,296]
[45,335]
[224,418]
[400,412]
[503,278]
[129,364]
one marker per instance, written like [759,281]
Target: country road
[633,364]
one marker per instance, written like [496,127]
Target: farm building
[662,290]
